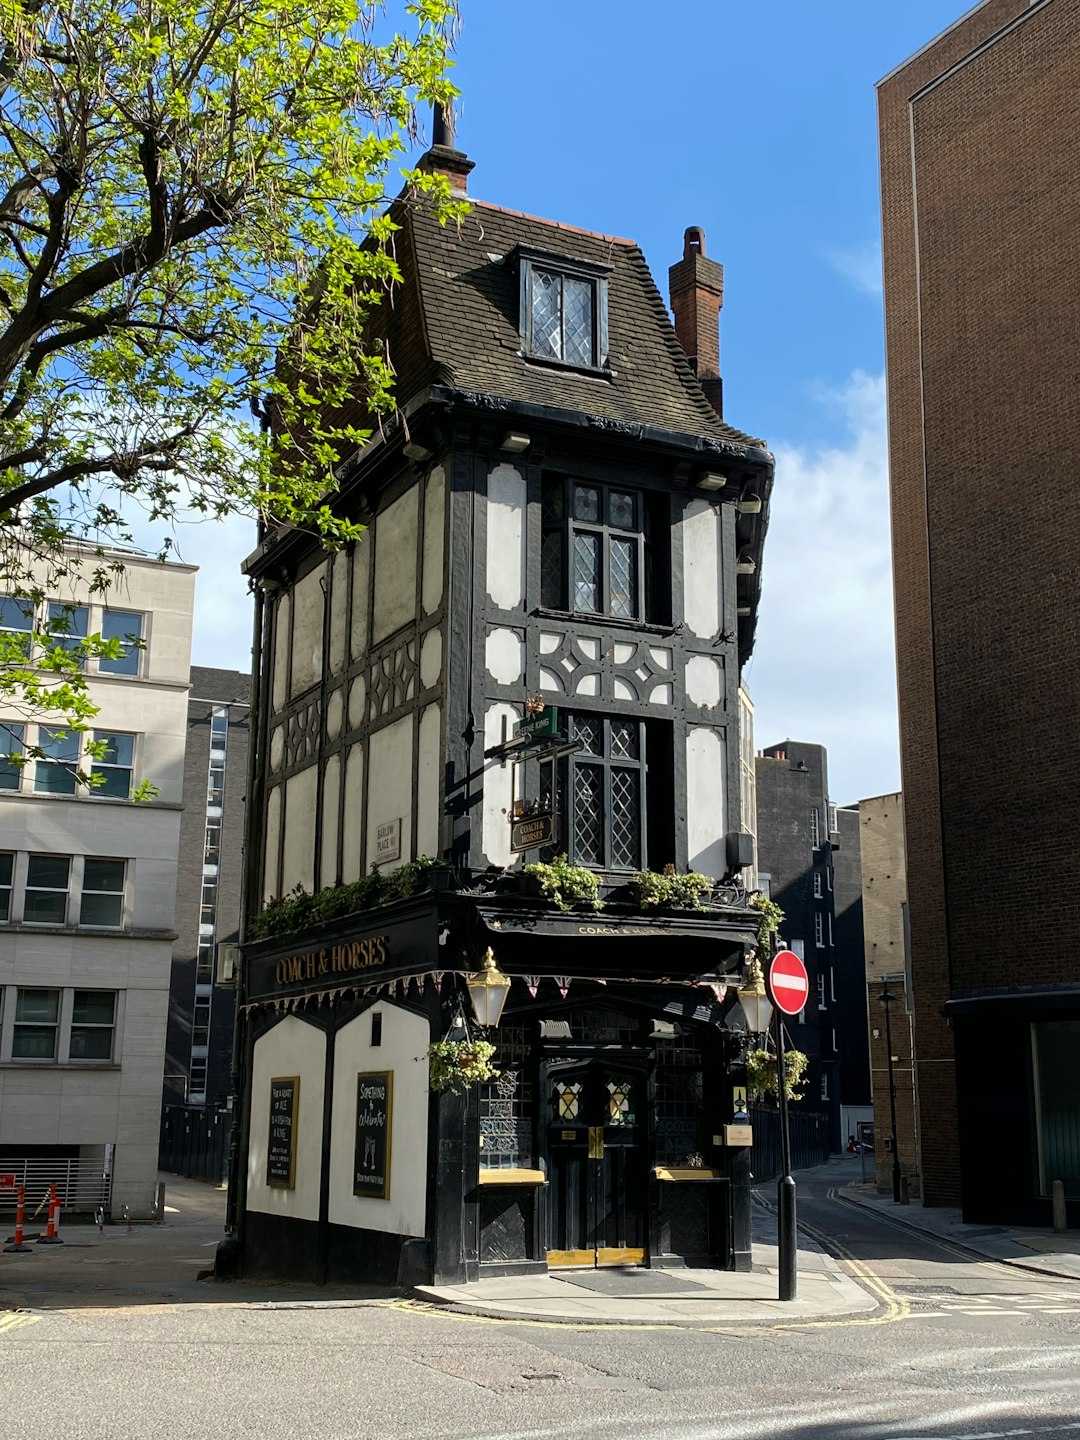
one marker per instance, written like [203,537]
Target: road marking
[14,1320]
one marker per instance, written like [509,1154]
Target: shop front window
[1056,1043]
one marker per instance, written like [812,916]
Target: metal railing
[809,1141]
[82,1185]
[195,1141]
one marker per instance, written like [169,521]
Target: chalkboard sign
[281,1149]
[374,1117]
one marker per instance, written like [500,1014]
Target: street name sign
[542,723]
[789,984]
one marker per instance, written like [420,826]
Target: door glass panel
[566,1097]
[620,1103]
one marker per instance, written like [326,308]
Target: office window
[125,626]
[219,728]
[47,879]
[815,826]
[821,992]
[212,850]
[115,765]
[818,890]
[197,1088]
[215,787]
[204,963]
[93,1025]
[825,1087]
[56,768]
[67,625]
[606,793]
[16,623]
[200,1023]
[7,867]
[830,928]
[834,825]
[102,892]
[12,737]
[828,876]
[819,931]
[37,1023]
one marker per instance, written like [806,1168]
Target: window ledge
[22,1064]
[607,622]
[567,367]
[93,931]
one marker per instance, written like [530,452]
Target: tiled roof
[469,300]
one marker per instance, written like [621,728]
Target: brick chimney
[696,287]
[444,158]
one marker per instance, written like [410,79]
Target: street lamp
[488,990]
[887,998]
[756,1005]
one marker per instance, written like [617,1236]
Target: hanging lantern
[488,990]
[756,1005]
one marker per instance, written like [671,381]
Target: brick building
[980,149]
[884,901]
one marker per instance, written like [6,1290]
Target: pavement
[1027,1248]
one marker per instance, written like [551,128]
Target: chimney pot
[443,158]
[696,289]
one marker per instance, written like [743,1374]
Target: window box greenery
[300,909]
[669,890]
[565,884]
[455,1065]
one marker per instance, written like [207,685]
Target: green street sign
[543,723]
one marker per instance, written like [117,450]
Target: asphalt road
[957,1348]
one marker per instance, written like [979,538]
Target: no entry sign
[789,984]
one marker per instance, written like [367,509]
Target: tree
[189,190]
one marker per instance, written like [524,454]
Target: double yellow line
[13,1319]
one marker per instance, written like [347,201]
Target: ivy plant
[563,883]
[300,908]
[670,890]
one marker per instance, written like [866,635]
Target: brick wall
[981,218]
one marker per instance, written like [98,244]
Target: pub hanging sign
[529,832]
[374,1124]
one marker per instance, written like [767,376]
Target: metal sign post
[789,985]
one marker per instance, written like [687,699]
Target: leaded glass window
[602,531]
[605,793]
[564,315]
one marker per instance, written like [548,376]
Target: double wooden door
[596,1162]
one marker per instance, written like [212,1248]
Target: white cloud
[860,266]
[824,667]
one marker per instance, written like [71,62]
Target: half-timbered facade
[559,517]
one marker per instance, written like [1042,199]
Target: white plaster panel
[430,659]
[703,680]
[298,850]
[307,644]
[588,685]
[549,643]
[498,788]
[506,537]
[395,565]
[281,652]
[431,581]
[390,784]
[622,653]
[277,748]
[291,1047]
[339,612]
[357,700]
[331,794]
[662,694]
[361,574]
[705,802]
[335,707]
[505,655]
[405,1040]
[621,689]
[273,837]
[702,572]
[428,781]
[589,645]
[661,655]
[352,838]
[549,680]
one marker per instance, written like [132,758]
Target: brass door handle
[596,1142]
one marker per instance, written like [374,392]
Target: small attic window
[563,318]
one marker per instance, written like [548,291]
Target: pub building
[534,649]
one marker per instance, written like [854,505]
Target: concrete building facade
[980,149]
[87,899]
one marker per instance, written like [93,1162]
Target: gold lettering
[324,963]
[281,973]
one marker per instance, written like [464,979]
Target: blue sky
[758,123]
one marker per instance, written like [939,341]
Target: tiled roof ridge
[554,224]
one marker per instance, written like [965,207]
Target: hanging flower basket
[456,1065]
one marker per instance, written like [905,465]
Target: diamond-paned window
[603,531]
[567,1099]
[563,310]
[604,819]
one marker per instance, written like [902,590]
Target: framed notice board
[374,1121]
[281,1146]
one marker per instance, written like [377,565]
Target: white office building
[87,892]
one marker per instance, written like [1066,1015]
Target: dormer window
[563,310]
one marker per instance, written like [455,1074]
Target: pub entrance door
[596,1162]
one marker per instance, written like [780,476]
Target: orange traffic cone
[17,1240]
[52,1232]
